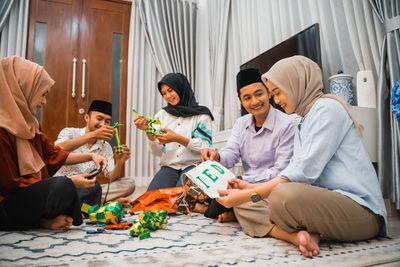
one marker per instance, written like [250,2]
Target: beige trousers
[295,206]
[254,218]
[121,187]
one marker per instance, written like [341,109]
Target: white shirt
[176,155]
[263,153]
[100,147]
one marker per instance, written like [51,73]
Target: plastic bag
[160,199]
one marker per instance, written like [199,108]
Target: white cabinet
[368,117]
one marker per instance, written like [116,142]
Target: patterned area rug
[187,241]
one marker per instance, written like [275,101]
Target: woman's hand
[167,137]
[141,123]
[100,161]
[233,197]
[151,137]
[236,183]
[80,180]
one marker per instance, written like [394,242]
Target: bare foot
[61,222]
[308,243]
[228,216]
[125,202]
[200,208]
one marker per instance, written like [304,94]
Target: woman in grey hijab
[330,187]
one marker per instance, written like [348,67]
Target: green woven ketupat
[150,121]
[100,217]
[150,130]
[111,213]
[120,149]
[148,221]
[93,209]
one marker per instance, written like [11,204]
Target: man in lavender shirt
[262,139]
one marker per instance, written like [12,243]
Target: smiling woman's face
[38,103]
[169,95]
[281,98]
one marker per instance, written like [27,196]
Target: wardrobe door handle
[83,77]
[73,77]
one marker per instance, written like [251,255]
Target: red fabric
[10,179]
[160,199]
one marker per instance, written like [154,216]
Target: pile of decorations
[109,217]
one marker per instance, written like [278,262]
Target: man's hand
[100,161]
[124,156]
[141,123]
[167,137]
[105,132]
[125,202]
[236,183]
[81,182]
[233,197]
[209,154]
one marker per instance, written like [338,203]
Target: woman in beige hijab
[330,187]
[28,197]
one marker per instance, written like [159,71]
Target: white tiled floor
[393,218]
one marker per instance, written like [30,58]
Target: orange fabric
[10,178]
[160,199]
[118,226]
[22,84]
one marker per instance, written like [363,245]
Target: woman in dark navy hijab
[187,130]
[187,106]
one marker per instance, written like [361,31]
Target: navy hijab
[187,105]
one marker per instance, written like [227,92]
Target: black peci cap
[101,106]
[246,77]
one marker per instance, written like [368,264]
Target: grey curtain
[170,29]
[13,27]
[5,7]
[218,17]
[388,12]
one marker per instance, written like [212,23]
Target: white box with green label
[210,176]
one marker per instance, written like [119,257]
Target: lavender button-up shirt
[264,153]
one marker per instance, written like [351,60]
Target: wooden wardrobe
[83,45]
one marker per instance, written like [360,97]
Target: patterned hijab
[187,105]
[22,84]
[301,80]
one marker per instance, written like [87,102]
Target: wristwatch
[254,196]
